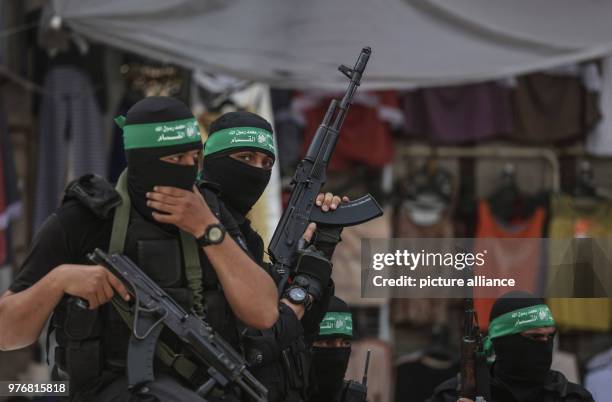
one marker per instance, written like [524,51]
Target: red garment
[501,262]
[365,137]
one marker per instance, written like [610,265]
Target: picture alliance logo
[412,260]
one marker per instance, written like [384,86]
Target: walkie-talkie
[358,391]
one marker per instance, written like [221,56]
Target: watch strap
[204,240]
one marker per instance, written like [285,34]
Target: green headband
[239,137]
[161,134]
[517,321]
[336,323]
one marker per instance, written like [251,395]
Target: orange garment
[502,260]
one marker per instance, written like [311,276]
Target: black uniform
[555,389]
[521,370]
[92,344]
[280,357]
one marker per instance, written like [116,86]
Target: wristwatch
[213,234]
[298,295]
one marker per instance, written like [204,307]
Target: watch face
[215,234]
[297,294]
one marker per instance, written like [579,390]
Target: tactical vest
[92,344]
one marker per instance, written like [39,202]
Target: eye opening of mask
[539,336]
[254,158]
[183,158]
[332,343]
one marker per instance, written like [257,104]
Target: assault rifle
[310,176]
[153,310]
[474,375]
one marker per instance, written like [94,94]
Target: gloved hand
[326,238]
[312,271]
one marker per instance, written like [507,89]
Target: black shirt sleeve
[47,251]
[64,238]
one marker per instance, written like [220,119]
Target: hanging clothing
[599,141]
[289,136]
[90,59]
[501,261]
[458,114]
[347,259]
[597,378]
[422,311]
[71,140]
[553,108]
[426,209]
[10,202]
[3,228]
[365,137]
[573,219]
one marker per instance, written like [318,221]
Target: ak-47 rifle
[310,177]
[473,366]
[469,347]
[153,310]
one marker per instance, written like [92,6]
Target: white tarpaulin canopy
[291,43]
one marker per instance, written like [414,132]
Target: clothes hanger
[427,193]
[586,191]
[507,199]
[584,188]
[56,38]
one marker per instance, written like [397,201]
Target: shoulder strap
[122,217]
[193,270]
[182,365]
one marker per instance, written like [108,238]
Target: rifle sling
[193,272]
[182,365]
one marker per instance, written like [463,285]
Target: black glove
[326,238]
[313,271]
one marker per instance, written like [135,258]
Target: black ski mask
[521,359]
[329,365]
[241,185]
[145,169]
[521,364]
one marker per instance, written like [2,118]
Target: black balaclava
[329,364]
[145,169]
[241,185]
[521,364]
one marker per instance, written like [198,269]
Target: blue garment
[71,137]
[598,379]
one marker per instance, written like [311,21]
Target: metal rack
[488,151]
